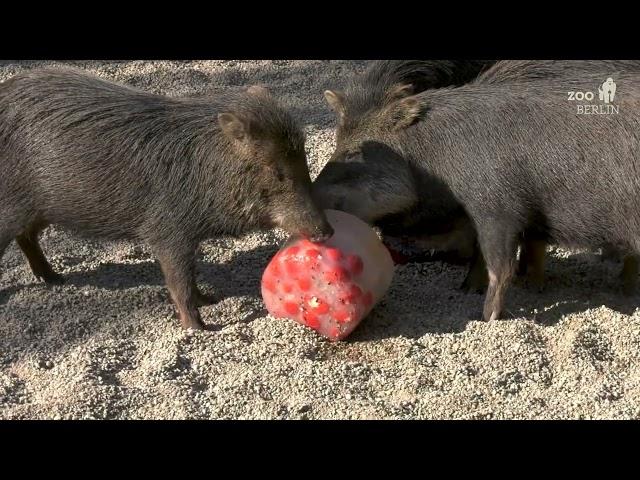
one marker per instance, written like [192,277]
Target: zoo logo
[606,94]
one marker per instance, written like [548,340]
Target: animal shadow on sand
[435,304]
[573,284]
[424,297]
[240,276]
[79,313]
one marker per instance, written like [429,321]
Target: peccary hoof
[190,318]
[193,324]
[53,278]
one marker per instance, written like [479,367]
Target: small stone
[46,364]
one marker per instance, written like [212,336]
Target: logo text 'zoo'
[606,94]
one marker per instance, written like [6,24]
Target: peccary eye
[353,157]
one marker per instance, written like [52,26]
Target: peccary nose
[322,234]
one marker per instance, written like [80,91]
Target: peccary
[436,222]
[363,99]
[532,249]
[110,161]
[513,157]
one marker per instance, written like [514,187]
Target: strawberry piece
[269,283]
[304,284]
[292,267]
[354,264]
[333,254]
[355,291]
[317,305]
[341,316]
[311,319]
[291,308]
[273,269]
[368,299]
[352,295]
[313,254]
[337,274]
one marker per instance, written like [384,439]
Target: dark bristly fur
[110,161]
[361,109]
[532,70]
[429,221]
[420,225]
[512,156]
[363,102]
[370,90]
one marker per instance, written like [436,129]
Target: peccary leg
[499,248]
[476,279]
[28,243]
[630,271]
[178,269]
[523,258]
[534,256]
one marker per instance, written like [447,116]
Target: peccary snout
[321,232]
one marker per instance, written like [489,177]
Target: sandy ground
[107,343]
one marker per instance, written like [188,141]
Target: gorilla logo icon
[607,90]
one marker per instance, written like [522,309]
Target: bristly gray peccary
[507,151]
[106,160]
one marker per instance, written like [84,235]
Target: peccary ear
[335,101]
[232,126]
[406,112]
[401,90]
[258,90]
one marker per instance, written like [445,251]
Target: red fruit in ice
[269,283]
[397,257]
[313,253]
[304,284]
[291,267]
[336,274]
[368,299]
[333,254]
[317,305]
[354,264]
[291,308]
[329,287]
[342,315]
[311,320]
